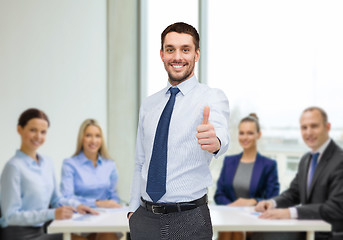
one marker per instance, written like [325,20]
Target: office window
[276,58]
[292,164]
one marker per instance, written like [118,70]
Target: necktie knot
[174,91]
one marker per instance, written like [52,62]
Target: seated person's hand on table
[264,206]
[281,213]
[243,202]
[107,204]
[86,210]
[64,212]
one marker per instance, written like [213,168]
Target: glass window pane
[276,58]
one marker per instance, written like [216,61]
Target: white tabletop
[223,219]
[245,219]
[114,220]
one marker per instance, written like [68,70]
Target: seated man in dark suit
[317,189]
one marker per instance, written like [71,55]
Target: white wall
[53,57]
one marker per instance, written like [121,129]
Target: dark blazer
[325,196]
[264,182]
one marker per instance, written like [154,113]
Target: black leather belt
[164,208]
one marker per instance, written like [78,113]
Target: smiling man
[317,189]
[180,129]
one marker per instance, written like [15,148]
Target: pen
[60,205]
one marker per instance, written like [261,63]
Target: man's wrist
[219,147]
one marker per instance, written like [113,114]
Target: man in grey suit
[317,189]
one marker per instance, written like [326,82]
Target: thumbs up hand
[206,135]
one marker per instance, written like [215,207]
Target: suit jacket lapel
[256,174]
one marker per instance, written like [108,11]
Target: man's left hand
[206,135]
[282,213]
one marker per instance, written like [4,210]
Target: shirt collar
[186,86]
[322,148]
[85,160]
[29,160]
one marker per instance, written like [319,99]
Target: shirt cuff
[220,150]
[51,213]
[274,203]
[293,212]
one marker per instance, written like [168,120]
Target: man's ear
[197,55]
[161,55]
[19,129]
[328,126]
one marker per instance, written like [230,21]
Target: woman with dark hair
[28,179]
[248,177]
[90,176]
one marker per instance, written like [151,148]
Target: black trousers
[27,233]
[193,224]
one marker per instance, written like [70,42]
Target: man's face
[179,56]
[313,129]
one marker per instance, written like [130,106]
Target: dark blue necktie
[312,169]
[156,184]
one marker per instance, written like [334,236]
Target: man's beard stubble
[182,78]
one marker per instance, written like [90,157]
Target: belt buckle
[154,209]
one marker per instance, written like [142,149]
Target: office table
[223,219]
[246,220]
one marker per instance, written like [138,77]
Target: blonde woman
[90,176]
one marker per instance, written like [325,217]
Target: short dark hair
[252,117]
[31,113]
[320,110]
[181,27]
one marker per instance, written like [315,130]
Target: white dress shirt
[188,173]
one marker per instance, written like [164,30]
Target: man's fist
[206,135]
